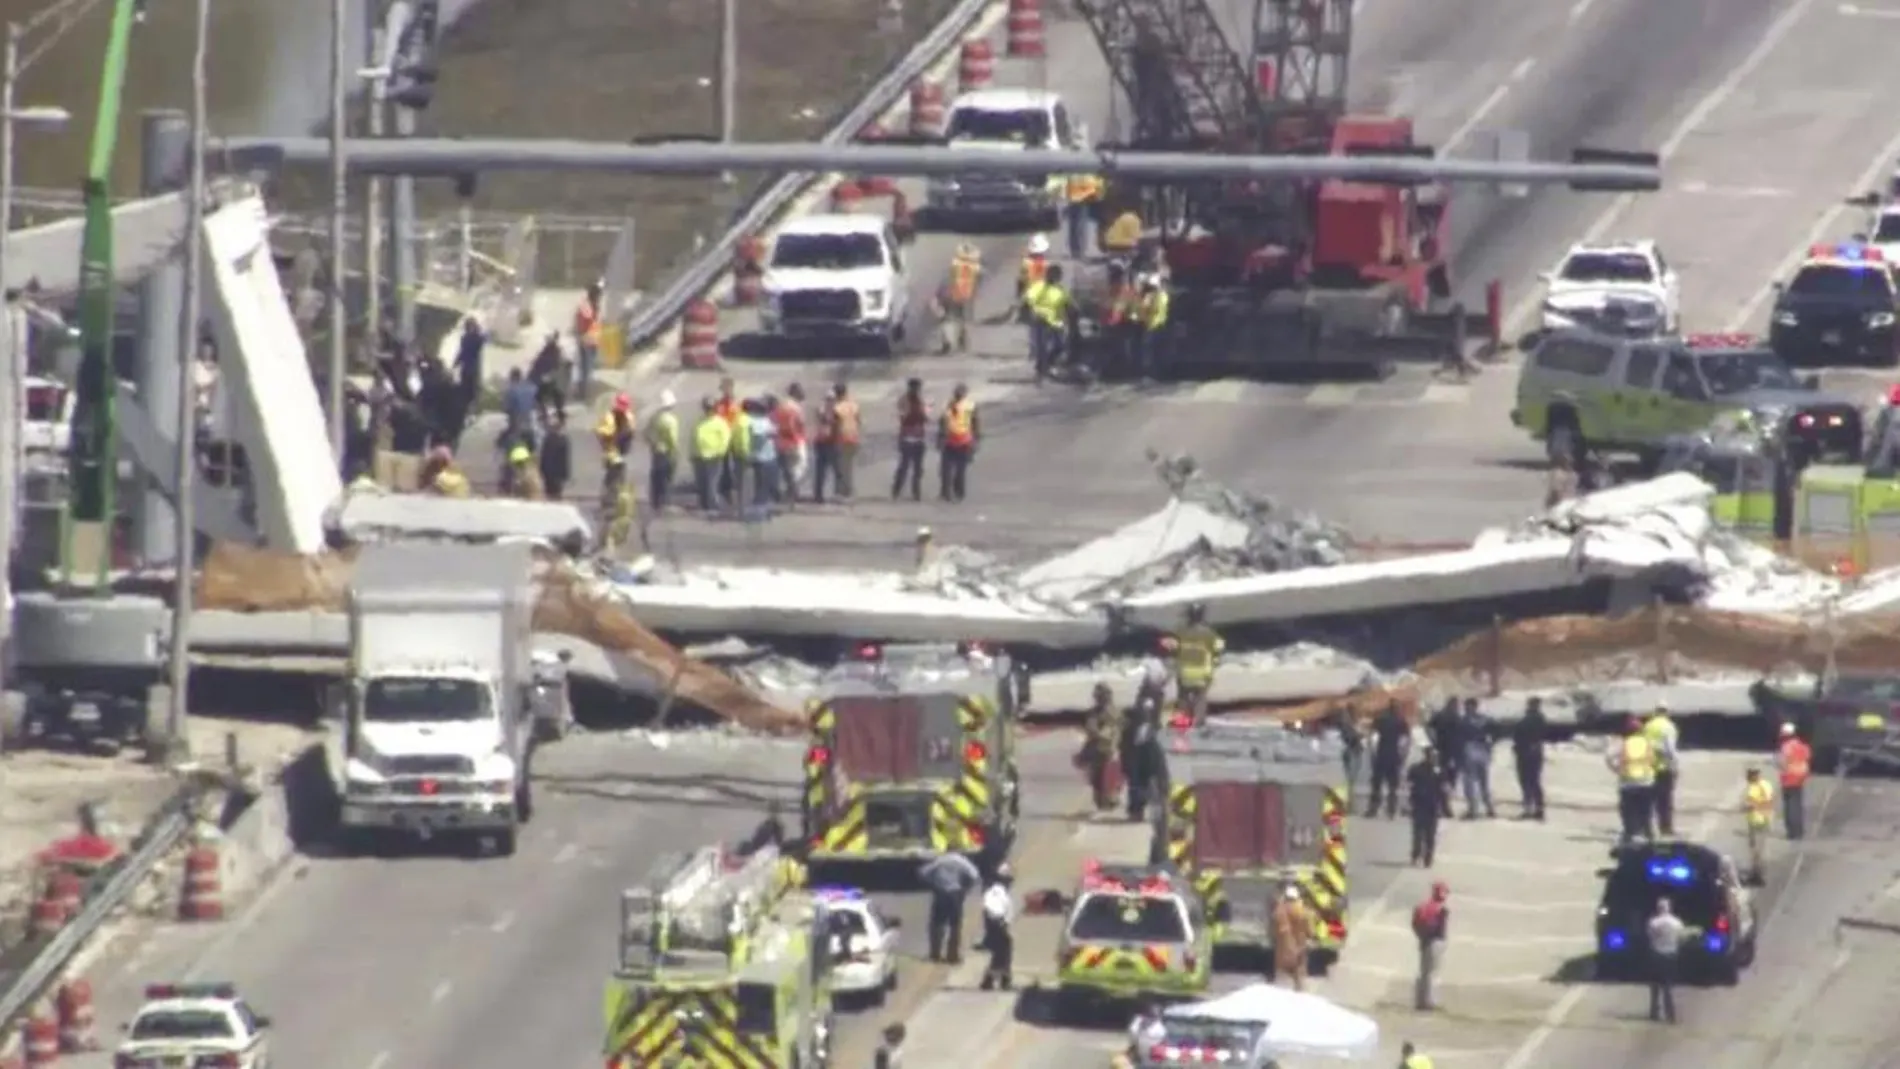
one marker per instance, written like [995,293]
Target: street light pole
[339,205]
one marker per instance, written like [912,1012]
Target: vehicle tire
[505,842]
[1564,439]
[15,721]
[1745,954]
[1726,973]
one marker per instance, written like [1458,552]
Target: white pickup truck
[836,276]
[1025,120]
[445,699]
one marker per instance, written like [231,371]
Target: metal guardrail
[28,969]
[647,321]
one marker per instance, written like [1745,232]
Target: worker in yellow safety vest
[1154,324]
[1662,735]
[663,449]
[1082,195]
[1122,234]
[1410,1058]
[956,304]
[1758,812]
[1035,265]
[712,446]
[1197,651]
[1046,307]
[1634,763]
[615,432]
[449,482]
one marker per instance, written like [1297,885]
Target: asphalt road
[1768,112]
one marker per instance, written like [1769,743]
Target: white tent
[1295,1023]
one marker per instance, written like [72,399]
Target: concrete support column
[164,160]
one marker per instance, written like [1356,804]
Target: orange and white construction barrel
[699,336]
[1023,29]
[976,65]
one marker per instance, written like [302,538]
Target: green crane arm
[86,529]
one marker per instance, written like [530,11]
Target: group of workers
[1131,314]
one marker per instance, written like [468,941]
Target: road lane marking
[1856,11]
[567,853]
[1829,220]
[503,922]
[1613,213]
[1578,10]
[441,992]
[1560,1011]
[383,1058]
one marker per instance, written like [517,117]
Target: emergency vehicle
[1250,809]
[863,944]
[1704,889]
[1838,308]
[912,753]
[1595,276]
[1754,464]
[724,961]
[1133,932]
[1849,512]
[195,1026]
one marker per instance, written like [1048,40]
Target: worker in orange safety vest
[957,435]
[587,338]
[956,304]
[1121,321]
[1795,761]
[1035,265]
[1083,195]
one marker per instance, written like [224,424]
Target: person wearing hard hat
[1035,265]
[712,445]
[1292,931]
[587,338]
[524,478]
[956,303]
[615,432]
[1082,194]
[441,477]
[1153,315]
[1662,734]
[1050,315]
[1794,760]
[663,447]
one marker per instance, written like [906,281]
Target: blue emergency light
[1672,871]
[1614,939]
[837,894]
[1849,251]
[1716,942]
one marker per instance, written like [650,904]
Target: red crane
[1275,272]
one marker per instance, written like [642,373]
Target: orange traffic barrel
[204,884]
[847,196]
[78,1024]
[976,65]
[66,889]
[1023,29]
[40,1037]
[699,336]
[748,271]
[878,187]
[926,108]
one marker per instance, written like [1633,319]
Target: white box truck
[444,700]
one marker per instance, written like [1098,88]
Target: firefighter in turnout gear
[615,432]
[1197,651]
[1101,733]
[956,303]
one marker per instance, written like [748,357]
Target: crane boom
[1184,80]
[86,528]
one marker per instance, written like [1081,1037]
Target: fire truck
[1336,275]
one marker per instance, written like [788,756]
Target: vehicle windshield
[407,701]
[45,403]
[161,1025]
[1745,370]
[1888,228]
[1690,884]
[1607,267]
[848,924]
[1029,126]
[831,252]
[1113,918]
[1870,283]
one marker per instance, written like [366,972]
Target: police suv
[1838,308]
[1704,889]
[194,1026]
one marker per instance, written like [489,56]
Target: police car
[1630,280]
[1838,308]
[863,944]
[1704,888]
[194,1026]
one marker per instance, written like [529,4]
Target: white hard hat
[1039,245]
[1787,730]
[1292,892]
[667,400]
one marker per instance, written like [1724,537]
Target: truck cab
[1006,120]
[836,276]
[443,705]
